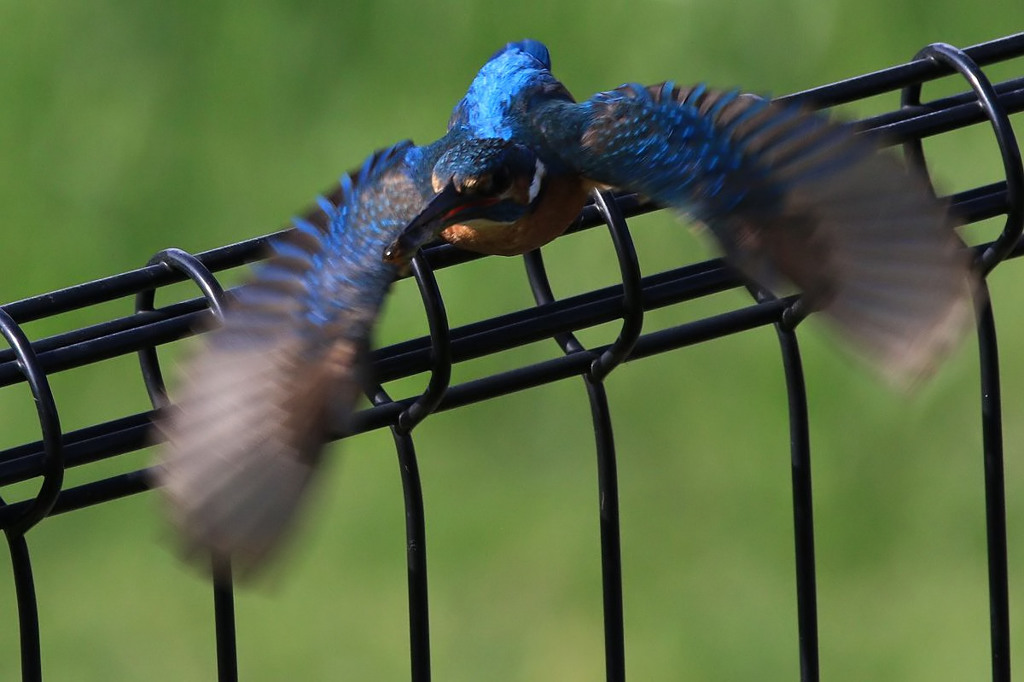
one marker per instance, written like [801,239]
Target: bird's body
[790,196]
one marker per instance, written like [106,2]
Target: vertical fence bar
[607,486]
[803,506]
[995,494]
[800,473]
[416,558]
[224,622]
[28,611]
[412,488]
[991,401]
[607,470]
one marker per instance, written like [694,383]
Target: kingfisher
[793,198]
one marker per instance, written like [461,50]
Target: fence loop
[49,424]
[794,313]
[632,291]
[440,347]
[1009,151]
[192,267]
[540,285]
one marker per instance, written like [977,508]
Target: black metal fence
[33,361]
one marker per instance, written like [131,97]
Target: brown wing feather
[243,440]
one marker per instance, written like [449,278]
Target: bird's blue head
[478,183]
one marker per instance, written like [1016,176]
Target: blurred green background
[127,127]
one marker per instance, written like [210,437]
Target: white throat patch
[538,177]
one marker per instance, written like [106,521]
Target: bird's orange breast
[560,203]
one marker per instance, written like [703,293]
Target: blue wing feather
[792,197]
[263,393]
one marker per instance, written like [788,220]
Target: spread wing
[791,195]
[259,398]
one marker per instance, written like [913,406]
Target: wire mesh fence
[33,361]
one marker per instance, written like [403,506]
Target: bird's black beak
[446,208]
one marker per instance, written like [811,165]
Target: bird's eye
[501,180]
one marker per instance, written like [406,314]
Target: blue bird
[793,198]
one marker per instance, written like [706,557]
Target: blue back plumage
[534,48]
[493,105]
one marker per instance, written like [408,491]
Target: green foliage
[132,126]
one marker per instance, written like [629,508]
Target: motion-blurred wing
[262,394]
[789,193]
